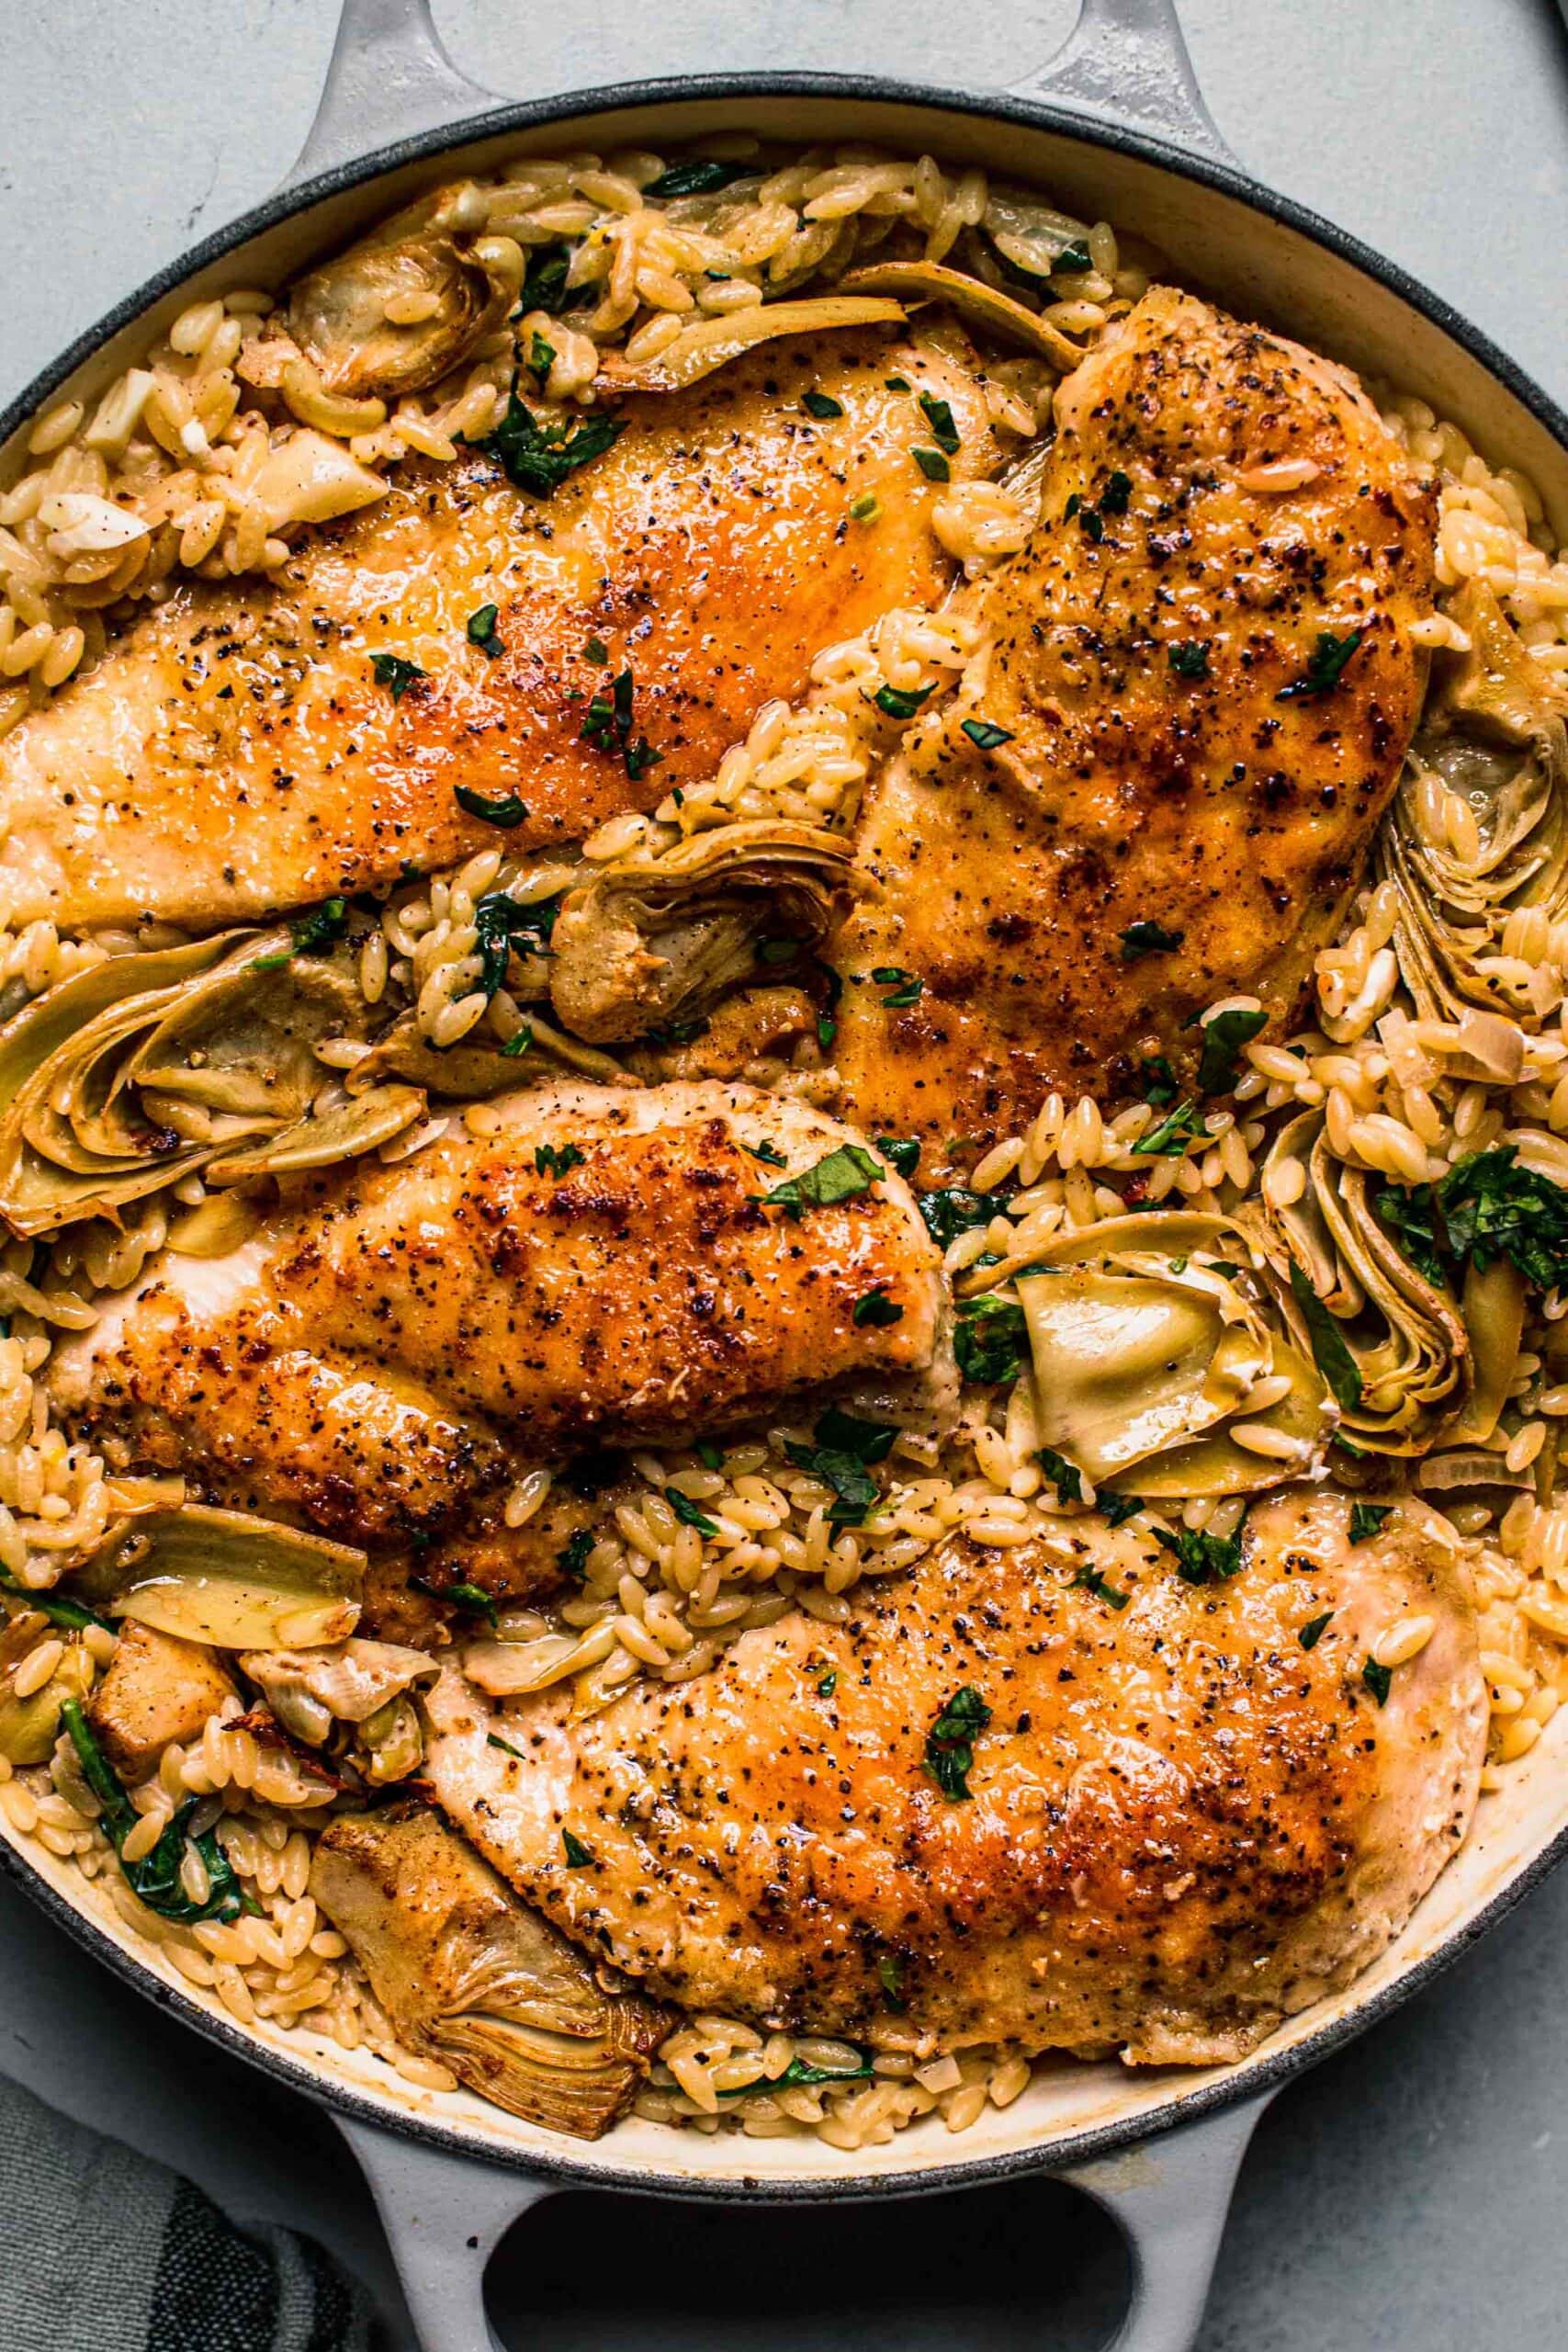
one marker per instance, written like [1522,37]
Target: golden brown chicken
[590,1266]
[1052,1795]
[234,752]
[1203,684]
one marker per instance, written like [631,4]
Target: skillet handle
[388,77]
[444,2217]
[1126,60]
[1169,2199]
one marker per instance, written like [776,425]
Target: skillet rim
[1242,2080]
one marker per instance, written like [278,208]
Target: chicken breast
[234,753]
[577,1266]
[1051,1796]
[1202,685]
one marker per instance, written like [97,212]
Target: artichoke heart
[1408,1353]
[309,1690]
[698,350]
[654,938]
[443,295]
[1495,741]
[152,1067]
[1154,1337]
[226,1579]
[472,1979]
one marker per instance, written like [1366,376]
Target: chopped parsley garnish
[1223,1039]
[1329,1351]
[1074,258]
[470,1597]
[948,1214]
[1148,938]
[874,1310]
[1366,1521]
[498,920]
[155,1879]
[901,702]
[1313,1632]
[688,1514]
[1117,1509]
[1191,659]
[827,1685]
[311,935]
[579,1857]
[900,1152]
[801,2075]
[897,383]
[701,178]
[481,630]
[1090,1580]
[538,456]
[608,727]
[1170,1138]
[990,1340]
[1114,497]
[552,1160]
[950,1743]
[985,734]
[906,986]
[572,1557]
[1323,671]
[1378,1678]
[848,1171]
[939,416]
[934,465]
[391,670]
[1064,1475]
[518,1042]
[864,509]
[767,1154]
[507,811]
[890,1976]
[821,405]
[1486,1208]
[493,1739]
[545,286]
[844,1446]
[596,651]
[1158,1081]
[1202,1558]
[541,355]
[1091,523]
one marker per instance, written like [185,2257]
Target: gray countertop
[1407,2196]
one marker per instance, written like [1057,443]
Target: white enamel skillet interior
[1113,127]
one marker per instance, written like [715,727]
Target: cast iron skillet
[1116,128]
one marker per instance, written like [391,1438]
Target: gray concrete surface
[1411,2195]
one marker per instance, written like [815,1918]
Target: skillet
[1114,127]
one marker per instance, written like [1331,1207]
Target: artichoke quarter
[473,1980]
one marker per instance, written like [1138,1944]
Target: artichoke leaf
[320,1139]
[32,1036]
[984,306]
[226,1579]
[712,343]
[471,1978]
[652,939]
[1406,1337]
[471,1071]
[337,314]
[1150,1336]
[347,1682]
[1495,737]
[241,1042]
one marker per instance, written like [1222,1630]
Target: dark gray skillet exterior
[1048,2155]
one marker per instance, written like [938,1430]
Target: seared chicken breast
[234,752]
[1202,685]
[1164,1816]
[577,1266]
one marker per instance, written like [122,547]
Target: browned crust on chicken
[1226,807]
[1181,1824]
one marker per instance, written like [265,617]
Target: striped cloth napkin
[104,2252]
